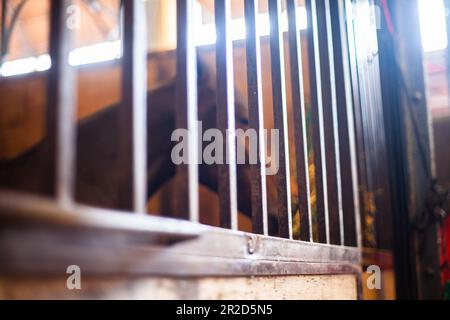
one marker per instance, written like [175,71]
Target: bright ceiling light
[101,52]
[108,51]
[432,15]
[206,33]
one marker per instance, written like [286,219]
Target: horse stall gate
[125,252]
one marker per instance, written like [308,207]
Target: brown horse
[98,174]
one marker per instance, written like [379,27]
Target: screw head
[251,244]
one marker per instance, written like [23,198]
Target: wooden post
[416,252]
[344,109]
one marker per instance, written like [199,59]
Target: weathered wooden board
[260,288]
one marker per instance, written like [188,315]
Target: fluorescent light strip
[108,51]
[101,52]
[26,65]
[207,32]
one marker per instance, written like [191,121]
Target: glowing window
[433,25]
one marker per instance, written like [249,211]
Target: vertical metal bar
[384,200]
[330,121]
[349,179]
[359,134]
[225,115]
[298,102]
[361,25]
[280,119]
[3,32]
[317,123]
[61,107]
[256,119]
[374,149]
[447,51]
[133,110]
[187,200]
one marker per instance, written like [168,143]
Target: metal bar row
[326,53]
[331,107]
[317,123]
[358,119]
[301,143]
[347,139]
[132,117]
[332,121]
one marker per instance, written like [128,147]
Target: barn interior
[390,190]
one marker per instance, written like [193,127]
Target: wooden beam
[40,237]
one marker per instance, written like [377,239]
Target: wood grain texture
[38,236]
[335,287]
